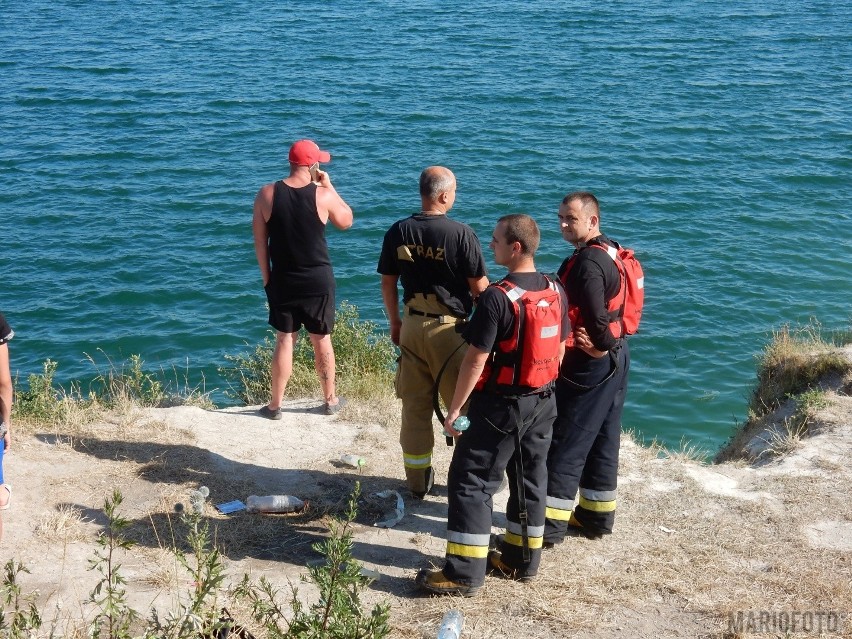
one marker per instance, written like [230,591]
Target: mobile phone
[314,169]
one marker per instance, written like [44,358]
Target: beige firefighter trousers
[425,344]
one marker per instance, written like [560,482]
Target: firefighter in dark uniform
[592,384]
[516,339]
[439,262]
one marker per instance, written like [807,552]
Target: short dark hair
[590,202]
[520,227]
[435,180]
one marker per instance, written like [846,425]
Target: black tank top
[297,246]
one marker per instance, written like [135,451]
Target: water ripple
[717,136]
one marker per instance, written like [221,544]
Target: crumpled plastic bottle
[274,504]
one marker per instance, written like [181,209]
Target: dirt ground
[695,544]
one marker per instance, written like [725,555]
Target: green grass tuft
[793,363]
[364,362]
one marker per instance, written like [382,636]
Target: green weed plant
[19,616]
[198,613]
[364,357]
[46,402]
[338,613]
[114,618]
[41,401]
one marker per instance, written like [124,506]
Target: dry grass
[693,542]
[723,554]
[792,363]
[680,553]
[795,371]
[687,452]
[65,525]
[785,438]
[383,408]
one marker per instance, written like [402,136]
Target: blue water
[717,135]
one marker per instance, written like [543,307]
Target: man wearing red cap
[289,222]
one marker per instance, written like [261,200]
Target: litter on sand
[392,521]
[230,507]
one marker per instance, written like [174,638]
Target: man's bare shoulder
[265,194]
[266,189]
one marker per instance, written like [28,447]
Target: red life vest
[625,309]
[529,357]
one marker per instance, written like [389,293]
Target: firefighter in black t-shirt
[440,266]
[517,339]
[592,385]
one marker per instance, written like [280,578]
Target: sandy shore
[695,544]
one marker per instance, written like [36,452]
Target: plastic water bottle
[451,625]
[274,504]
[369,573]
[461,424]
[353,460]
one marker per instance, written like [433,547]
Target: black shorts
[315,313]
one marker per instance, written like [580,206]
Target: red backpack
[632,287]
[625,309]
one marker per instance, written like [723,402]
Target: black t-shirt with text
[433,254]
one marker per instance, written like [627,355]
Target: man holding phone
[289,222]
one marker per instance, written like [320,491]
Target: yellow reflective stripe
[558,514]
[463,550]
[417,461]
[518,540]
[597,506]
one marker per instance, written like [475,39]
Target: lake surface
[717,136]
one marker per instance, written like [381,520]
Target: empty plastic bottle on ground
[274,504]
[353,460]
[451,625]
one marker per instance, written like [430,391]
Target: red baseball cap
[306,153]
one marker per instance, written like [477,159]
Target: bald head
[435,180]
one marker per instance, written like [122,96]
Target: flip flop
[8,501]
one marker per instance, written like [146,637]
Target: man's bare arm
[477,285]
[330,205]
[6,390]
[262,212]
[471,369]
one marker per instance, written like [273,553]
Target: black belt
[444,319]
[414,311]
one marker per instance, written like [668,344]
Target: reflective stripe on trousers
[482,455]
[584,452]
